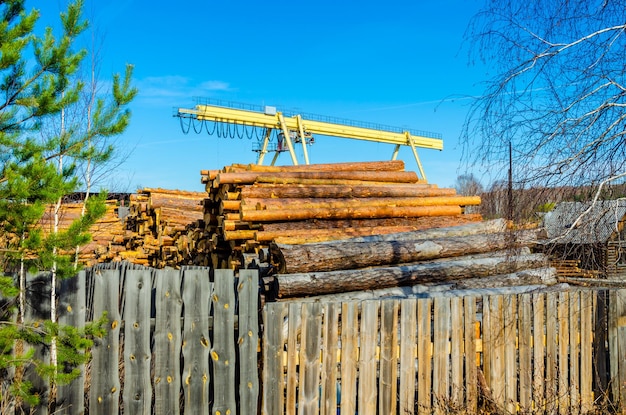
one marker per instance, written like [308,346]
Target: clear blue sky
[400,63]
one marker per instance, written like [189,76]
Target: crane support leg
[266,140]
[396,149]
[301,132]
[283,126]
[417,158]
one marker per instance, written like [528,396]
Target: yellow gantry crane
[296,128]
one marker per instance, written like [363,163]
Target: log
[313,203]
[345,213]
[325,234]
[390,165]
[418,223]
[303,284]
[250,177]
[296,191]
[473,227]
[516,282]
[352,255]
[379,231]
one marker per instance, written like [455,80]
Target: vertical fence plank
[72,312]
[329,368]
[408,351]
[510,353]
[539,350]
[273,379]
[223,354]
[487,343]
[388,374]
[496,351]
[424,356]
[367,358]
[310,359]
[586,351]
[167,342]
[37,310]
[349,356]
[105,379]
[471,372]
[551,352]
[197,292]
[617,344]
[563,382]
[525,353]
[457,396]
[441,356]
[248,291]
[137,354]
[574,360]
[294,326]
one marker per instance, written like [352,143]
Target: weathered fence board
[167,343]
[223,351]
[137,393]
[248,340]
[72,312]
[105,377]
[197,292]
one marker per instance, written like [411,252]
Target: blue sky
[400,63]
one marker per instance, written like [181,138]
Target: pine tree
[38,84]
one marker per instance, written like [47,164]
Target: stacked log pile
[158,226]
[250,206]
[484,254]
[107,234]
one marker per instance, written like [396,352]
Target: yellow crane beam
[272,119]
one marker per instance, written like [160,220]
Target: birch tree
[558,94]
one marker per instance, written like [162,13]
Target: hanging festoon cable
[197,125]
[185,120]
[206,125]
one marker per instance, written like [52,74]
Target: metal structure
[293,128]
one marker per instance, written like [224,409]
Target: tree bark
[314,203]
[345,213]
[353,255]
[303,284]
[250,177]
[296,191]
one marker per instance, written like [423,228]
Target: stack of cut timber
[158,224]
[107,233]
[249,206]
[483,254]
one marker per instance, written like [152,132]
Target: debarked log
[352,255]
[327,191]
[345,213]
[304,284]
[313,203]
[250,177]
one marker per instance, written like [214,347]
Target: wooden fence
[187,341]
[539,353]
[178,341]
